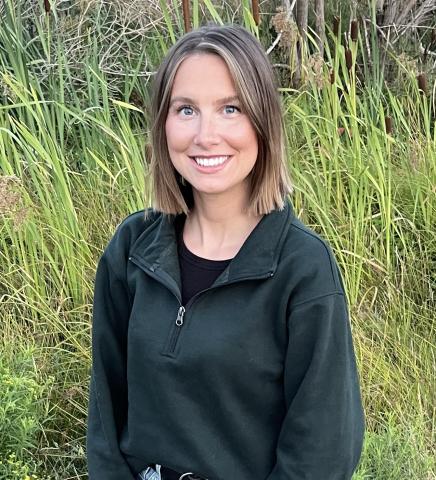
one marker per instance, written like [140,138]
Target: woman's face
[211,142]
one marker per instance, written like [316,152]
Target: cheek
[178,136]
[245,138]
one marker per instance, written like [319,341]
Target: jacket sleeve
[322,432]
[108,391]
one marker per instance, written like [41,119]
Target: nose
[207,132]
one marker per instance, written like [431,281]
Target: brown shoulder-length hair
[256,88]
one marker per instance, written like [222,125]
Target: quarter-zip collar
[156,249]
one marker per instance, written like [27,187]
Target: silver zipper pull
[181,312]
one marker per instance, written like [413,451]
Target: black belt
[168,474]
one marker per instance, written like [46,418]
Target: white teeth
[210,162]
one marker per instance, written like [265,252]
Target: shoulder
[126,234]
[134,224]
[310,263]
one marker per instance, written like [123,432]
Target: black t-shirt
[196,273]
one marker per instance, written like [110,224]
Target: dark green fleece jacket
[253,379]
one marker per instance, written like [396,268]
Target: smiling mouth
[211,161]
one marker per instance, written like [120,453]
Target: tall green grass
[78,156]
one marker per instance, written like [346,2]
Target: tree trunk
[302,11]
[320,25]
[391,13]
[405,10]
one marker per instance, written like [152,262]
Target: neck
[218,225]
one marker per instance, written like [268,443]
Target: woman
[221,341]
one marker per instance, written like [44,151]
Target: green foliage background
[74,89]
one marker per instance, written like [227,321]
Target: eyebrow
[233,98]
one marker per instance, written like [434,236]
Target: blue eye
[232,108]
[187,110]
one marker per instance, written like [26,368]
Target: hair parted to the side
[255,85]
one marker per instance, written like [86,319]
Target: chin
[208,187]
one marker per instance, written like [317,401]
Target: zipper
[180,319]
[181,312]
[176,331]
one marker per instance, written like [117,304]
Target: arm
[108,392]
[322,432]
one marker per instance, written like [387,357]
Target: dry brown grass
[12,200]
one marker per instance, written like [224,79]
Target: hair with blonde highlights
[255,85]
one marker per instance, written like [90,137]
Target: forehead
[202,73]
